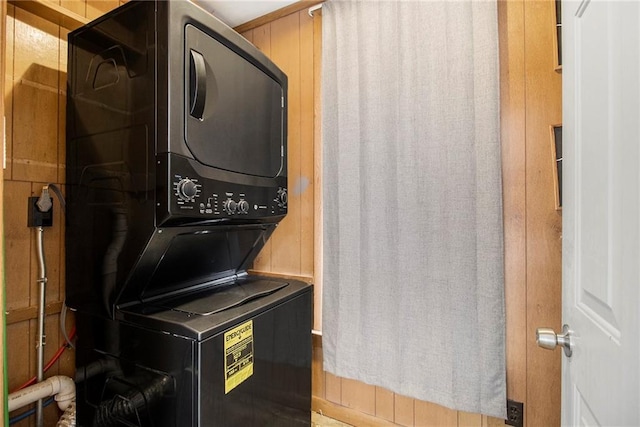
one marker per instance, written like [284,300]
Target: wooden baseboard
[346,415]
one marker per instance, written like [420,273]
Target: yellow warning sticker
[238,355]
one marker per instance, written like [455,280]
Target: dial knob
[282,197]
[230,206]
[243,206]
[187,189]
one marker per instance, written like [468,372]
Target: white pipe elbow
[63,388]
[66,391]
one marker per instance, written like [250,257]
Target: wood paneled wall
[512,112]
[543,108]
[530,102]
[34,98]
[291,42]
[530,91]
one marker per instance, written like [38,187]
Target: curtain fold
[413,290]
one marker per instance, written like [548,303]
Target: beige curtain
[413,240]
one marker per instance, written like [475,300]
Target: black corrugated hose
[110,412]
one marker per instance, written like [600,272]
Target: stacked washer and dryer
[176,178]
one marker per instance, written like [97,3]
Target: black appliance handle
[197,85]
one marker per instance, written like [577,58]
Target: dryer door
[234,111]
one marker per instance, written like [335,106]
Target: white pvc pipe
[63,388]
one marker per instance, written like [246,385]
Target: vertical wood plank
[51,412]
[62,103]
[492,421]
[36,49]
[512,113]
[35,148]
[262,38]
[466,419]
[285,52]
[8,127]
[359,396]
[8,29]
[304,187]
[248,35]
[431,415]
[543,222]
[384,404]
[317,373]
[32,356]
[332,388]
[17,241]
[403,408]
[65,367]
[35,96]
[7,98]
[317,172]
[19,354]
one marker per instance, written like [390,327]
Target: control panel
[215,199]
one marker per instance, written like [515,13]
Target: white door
[601,216]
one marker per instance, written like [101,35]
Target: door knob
[547,338]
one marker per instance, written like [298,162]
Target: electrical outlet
[36,218]
[515,413]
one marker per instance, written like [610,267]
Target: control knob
[187,189]
[243,206]
[281,197]
[230,206]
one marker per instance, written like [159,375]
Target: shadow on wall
[35,116]
[35,103]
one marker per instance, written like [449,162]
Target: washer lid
[172,316]
[224,298]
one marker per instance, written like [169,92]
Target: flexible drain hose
[111,411]
[119,230]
